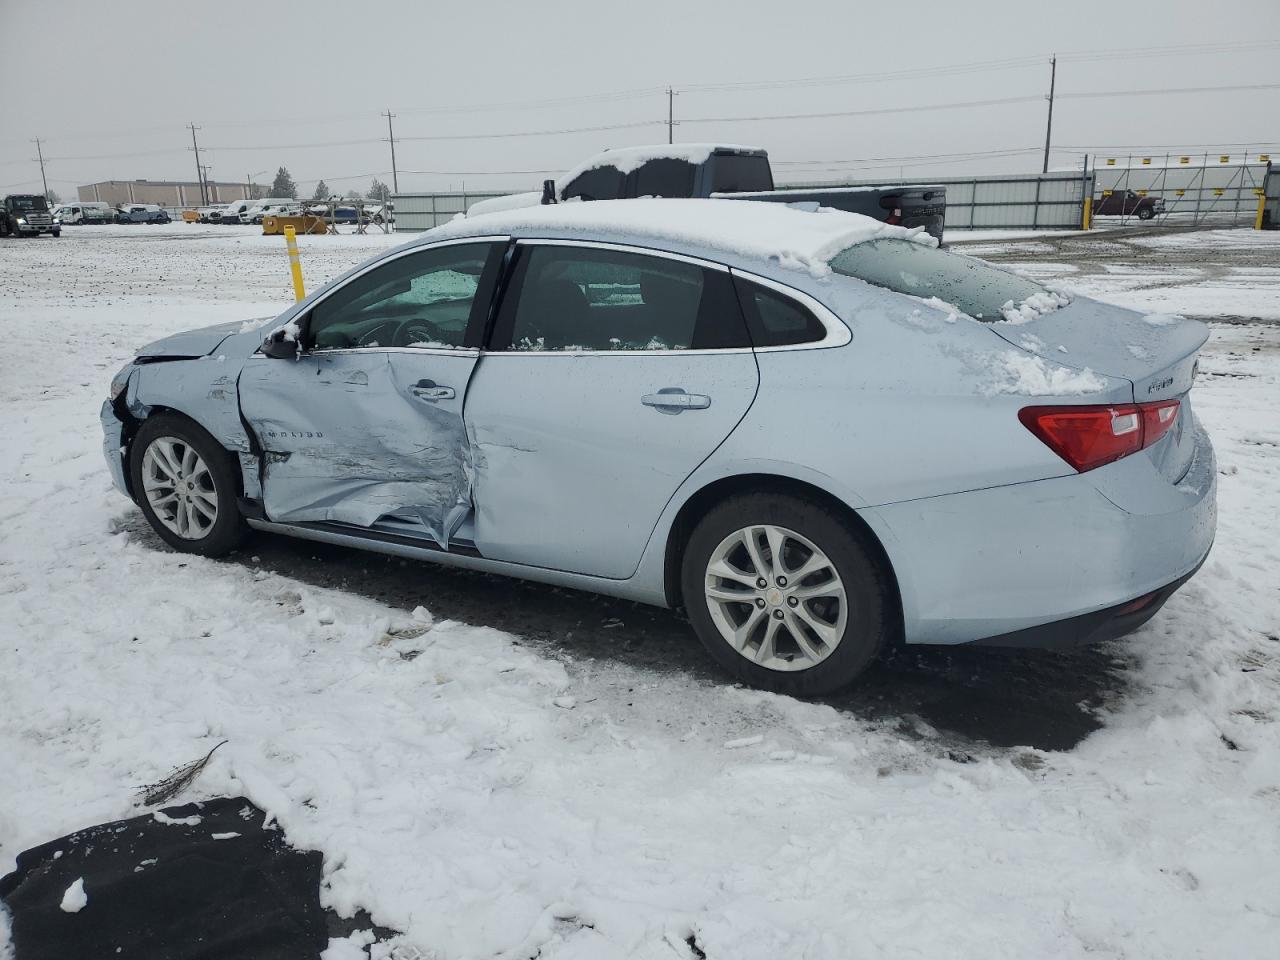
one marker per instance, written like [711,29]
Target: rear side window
[776,320]
[665,177]
[903,266]
[602,183]
[578,298]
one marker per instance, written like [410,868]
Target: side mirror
[277,347]
[549,192]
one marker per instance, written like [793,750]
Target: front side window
[423,299]
[602,183]
[976,288]
[572,299]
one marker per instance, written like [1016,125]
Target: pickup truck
[723,171]
[27,214]
[1126,203]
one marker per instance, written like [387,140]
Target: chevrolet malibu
[816,433]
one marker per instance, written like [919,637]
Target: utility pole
[1048,133]
[395,177]
[670,114]
[204,194]
[43,181]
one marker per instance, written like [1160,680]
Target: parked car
[816,433]
[284,208]
[725,171]
[252,212]
[27,214]
[83,213]
[1126,203]
[141,213]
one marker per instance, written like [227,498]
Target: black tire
[57,233]
[871,615]
[229,529]
[1145,213]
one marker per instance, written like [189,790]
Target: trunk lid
[1155,352]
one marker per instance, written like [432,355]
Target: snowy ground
[494,796]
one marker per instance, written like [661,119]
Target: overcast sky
[110,87]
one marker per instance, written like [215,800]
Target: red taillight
[1090,436]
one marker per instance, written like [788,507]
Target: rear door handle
[675,400]
[430,390]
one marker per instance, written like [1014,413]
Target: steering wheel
[418,330]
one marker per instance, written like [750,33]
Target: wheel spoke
[189,461]
[726,595]
[816,563]
[801,638]
[768,646]
[744,631]
[828,588]
[777,543]
[753,551]
[204,509]
[165,452]
[826,632]
[723,570]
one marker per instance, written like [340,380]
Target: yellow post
[1088,213]
[295,266]
[1262,205]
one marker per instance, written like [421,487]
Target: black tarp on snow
[170,891]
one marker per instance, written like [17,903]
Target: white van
[232,211]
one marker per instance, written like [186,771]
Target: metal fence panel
[1013,201]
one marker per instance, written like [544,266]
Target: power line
[538,133]
[1168,90]
[963,104]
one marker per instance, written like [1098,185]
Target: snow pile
[1034,307]
[1024,374]
[760,231]
[512,201]
[1163,319]
[75,899]
[626,159]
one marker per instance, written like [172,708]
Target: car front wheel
[185,483]
[785,594]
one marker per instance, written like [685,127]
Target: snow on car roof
[797,238]
[627,159]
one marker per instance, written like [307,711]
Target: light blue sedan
[816,433]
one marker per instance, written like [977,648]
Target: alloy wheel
[776,598]
[179,488]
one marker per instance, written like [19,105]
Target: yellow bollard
[295,266]
[1262,205]
[1088,213]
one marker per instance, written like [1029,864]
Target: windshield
[28,203]
[904,266]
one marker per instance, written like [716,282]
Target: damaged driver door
[362,425]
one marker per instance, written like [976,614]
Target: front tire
[1146,213]
[785,593]
[186,485]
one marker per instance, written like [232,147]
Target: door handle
[675,400]
[432,391]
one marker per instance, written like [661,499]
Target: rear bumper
[1050,561]
[1090,628]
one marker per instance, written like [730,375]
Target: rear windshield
[735,173]
[976,288]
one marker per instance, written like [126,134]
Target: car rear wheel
[1146,213]
[785,594]
[185,483]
